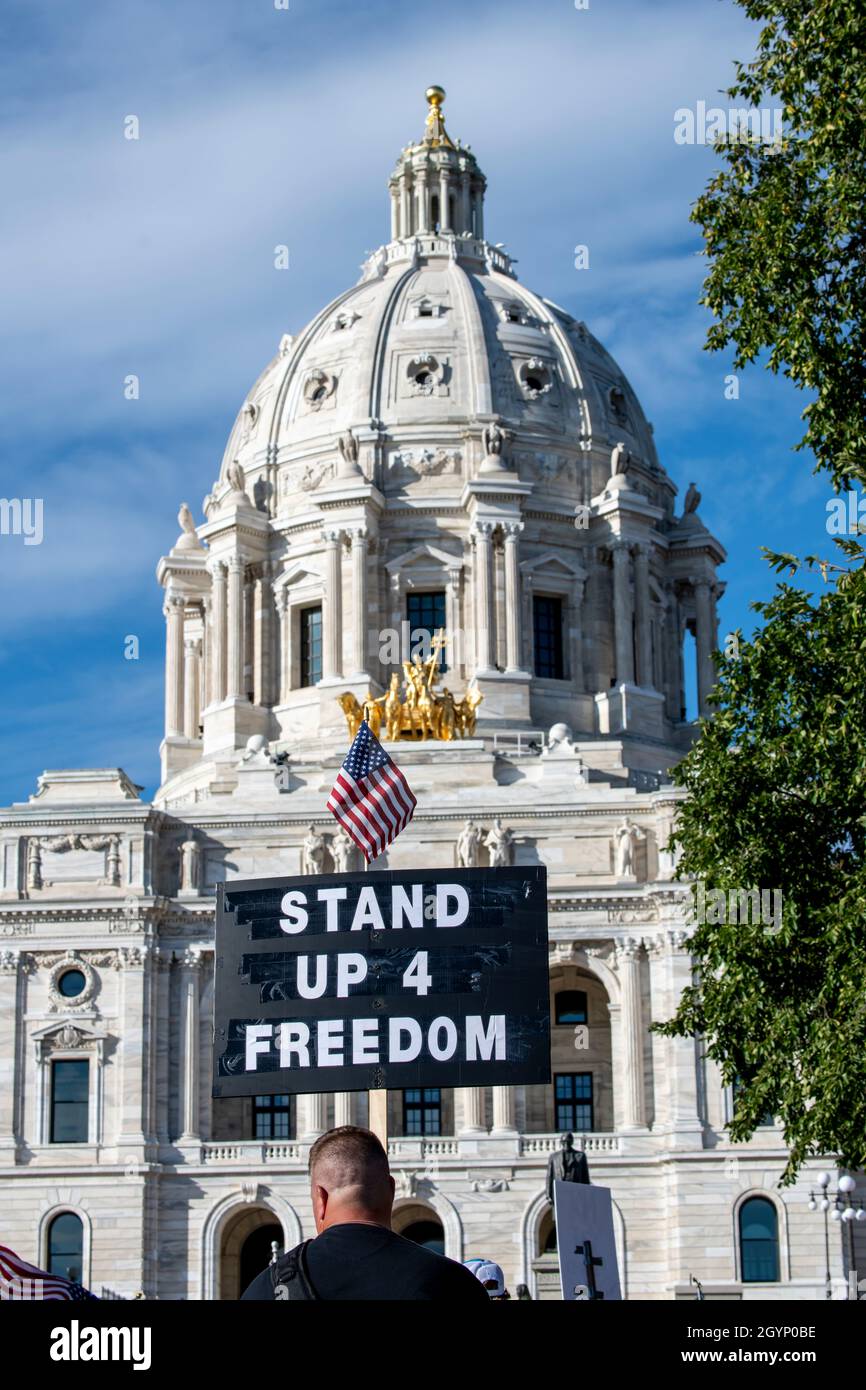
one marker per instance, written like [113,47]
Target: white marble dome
[436,339]
[440,440]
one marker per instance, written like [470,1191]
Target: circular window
[320,393]
[534,383]
[423,379]
[71,984]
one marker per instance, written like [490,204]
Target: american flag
[21,1281]
[371,798]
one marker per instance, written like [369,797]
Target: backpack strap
[290,1276]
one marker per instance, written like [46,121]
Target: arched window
[66,1246]
[570,1006]
[427,1233]
[759,1242]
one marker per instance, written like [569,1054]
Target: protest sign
[395,979]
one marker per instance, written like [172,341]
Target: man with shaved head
[355,1254]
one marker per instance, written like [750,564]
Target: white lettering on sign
[297,917]
[368,912]
[401,905]
[294,1041]
[448,906]
[357,1042]
[257,1040]
[305,989]
[442,1038]
[329,1042]
[397,1027]
[444,917]
[365,1040]
[332,896]
[351,970]
[485,1044]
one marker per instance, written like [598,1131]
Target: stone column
[631,1022]
[671,634]
[205,665]
[466,207]
[528,622]
[395,215]
[642,619]
[512,531]
[578,679]
[444,216]
[682,1065]
[263,638]
[189,1038]
[315,1116]
[483,539]
[191,711]
[360,615]
[423,201]
[9,1012]
[405,206]
[285,619]
[622,614]
[332,614]
[133,1058]
[472,1107]
[218,634]
[455,653]
[235,629]
[173,611]
[342,1109]
[704,643]
[504,1110]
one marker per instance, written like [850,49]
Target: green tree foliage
[777,786]
[778,776]
[785,227]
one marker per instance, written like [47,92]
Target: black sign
[351,982]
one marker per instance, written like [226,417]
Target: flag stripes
[371,798]
[22,1281]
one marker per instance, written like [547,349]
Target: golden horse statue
[424,713]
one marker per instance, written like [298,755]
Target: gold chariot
[412,708]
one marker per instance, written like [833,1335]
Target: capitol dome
[439,446]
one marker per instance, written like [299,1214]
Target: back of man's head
[350,1179]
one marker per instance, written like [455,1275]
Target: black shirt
[353,1260]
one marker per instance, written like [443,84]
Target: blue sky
[262,126]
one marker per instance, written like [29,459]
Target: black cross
[590,1261]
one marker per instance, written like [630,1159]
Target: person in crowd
[355,1254]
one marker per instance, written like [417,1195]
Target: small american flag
[21,1281]
[371,798]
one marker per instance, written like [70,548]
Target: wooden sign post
[378,1115]
[377,1101]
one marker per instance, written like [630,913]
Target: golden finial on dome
[436,132]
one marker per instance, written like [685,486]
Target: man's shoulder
[261,1289]
[448,1274]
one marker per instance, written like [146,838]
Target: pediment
[68,1033]
[299,573]
[423,556]
[554,565]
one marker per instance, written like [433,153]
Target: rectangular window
[272,1117]
[427,612]
[547,628]
[311,646]
[767,1120]
[70,1096]
[573,1097]
[422,1111]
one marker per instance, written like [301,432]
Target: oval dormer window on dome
[319,387]
[535,378]
[425,374]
